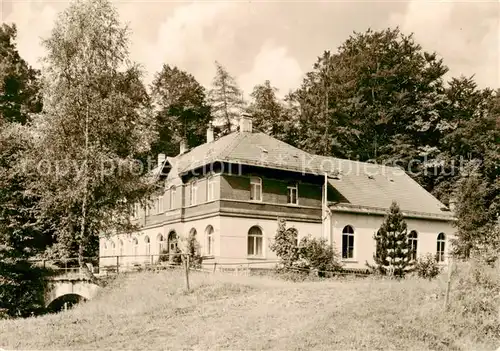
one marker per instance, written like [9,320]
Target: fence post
[117,264]
[215,266]
[448,285]
[186,262]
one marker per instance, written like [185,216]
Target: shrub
[316,254]
[22,288]
[285,245]
[475,300]
[171,257]
[427,267]
[193,249]
[310,255]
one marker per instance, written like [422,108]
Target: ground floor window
[412,242]
[440,249]
[210,240]
[347,242]
[254,241]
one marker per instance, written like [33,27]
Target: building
[231,191]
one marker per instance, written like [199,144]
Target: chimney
[210,133]
[161,159]
[452,204]
[245,123]
[183,147]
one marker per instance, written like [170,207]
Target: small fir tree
[392,254]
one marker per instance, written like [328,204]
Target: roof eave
[343,207]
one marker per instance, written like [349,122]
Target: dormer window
[255,189]
[293,198]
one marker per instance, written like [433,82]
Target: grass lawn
[152,311]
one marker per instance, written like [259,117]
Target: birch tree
[96,119]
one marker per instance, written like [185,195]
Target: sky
[278,40]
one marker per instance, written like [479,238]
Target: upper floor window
[440,249]
[211,189]
[293,194]
[193,194]
[134,211]
[255,189]
[348,242]
[254,244]
[412,243]
[159,204]
[172,197]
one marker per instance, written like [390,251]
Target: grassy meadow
[152,311]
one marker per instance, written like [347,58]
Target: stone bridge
[67,287]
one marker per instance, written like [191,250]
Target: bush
[427,267]
[316,254]
[171,257]
[193,249]
[22,288]
[475,300]
[285,245]
[311,255]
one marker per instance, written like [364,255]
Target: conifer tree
[182,112]
[225,99]
[393,251]
[267,111]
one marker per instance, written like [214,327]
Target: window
[159,204]
[255,241]
[347,242]
[293,195]
[113,248]
[172,242]
[147,244]
[211,189]
[172,197]
[412,242]
[441,241]
[255,189]
[161,243]
[135,244]
[120,246]
[210,240]
[193,193]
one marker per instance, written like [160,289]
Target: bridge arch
[57,289]
[64,301]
